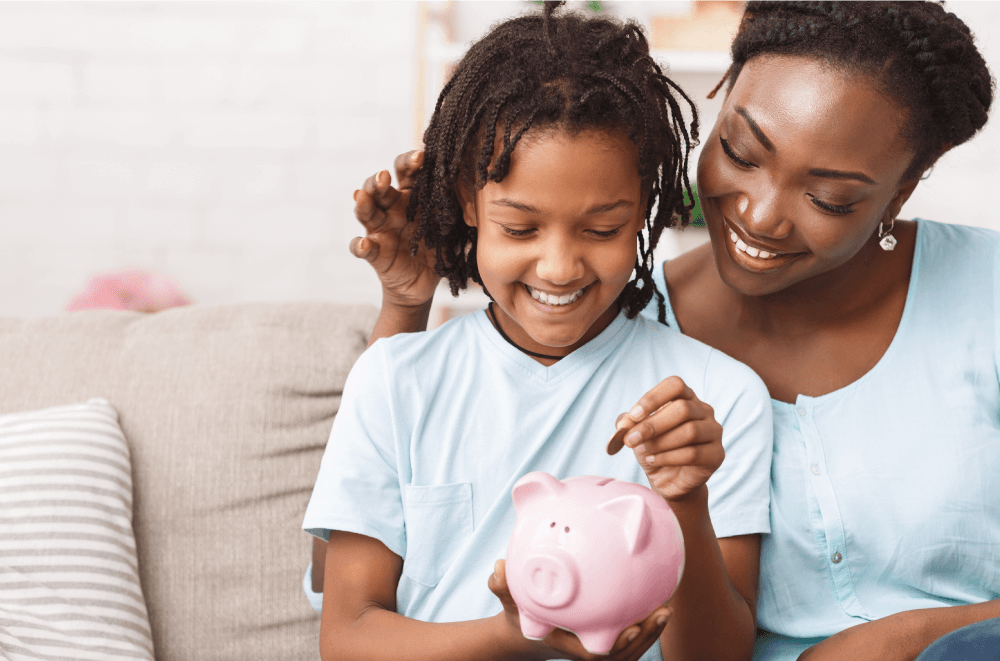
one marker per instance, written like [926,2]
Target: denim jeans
[975,642]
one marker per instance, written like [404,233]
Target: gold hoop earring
[885,239]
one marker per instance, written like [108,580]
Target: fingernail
[649,458]
[414,157]
[621,424]
[355,196]
[632,438]
[632,636]
[636,412]
[660,621]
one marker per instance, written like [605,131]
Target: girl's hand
[675,438]
[407,280]
[632,643]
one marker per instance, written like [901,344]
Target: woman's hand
[407,280]
[675,438]
[893,638]
[632,643]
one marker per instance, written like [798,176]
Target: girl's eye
[518,233]
[606,235]
[732,155]
[831,208]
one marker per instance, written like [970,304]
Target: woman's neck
[835,298]
[811,339]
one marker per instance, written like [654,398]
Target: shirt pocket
[438,523]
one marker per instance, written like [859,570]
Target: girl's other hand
[407,280]
[675,438]
[632,643]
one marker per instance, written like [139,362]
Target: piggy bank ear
[533,486]
[633,514]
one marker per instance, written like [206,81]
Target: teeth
[750,250]
[552,299]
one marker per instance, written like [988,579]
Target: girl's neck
[548,356]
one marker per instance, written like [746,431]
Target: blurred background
[217,144]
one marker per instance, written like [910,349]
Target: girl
[877,338]
[555,158]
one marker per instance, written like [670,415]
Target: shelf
[693,61]
[678,61]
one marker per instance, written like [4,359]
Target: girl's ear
[467,202]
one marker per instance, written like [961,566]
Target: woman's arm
[360,622]
[408,281]
[899,637]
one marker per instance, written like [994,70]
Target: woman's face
[803,163]
[556,238]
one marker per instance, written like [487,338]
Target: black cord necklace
[489,313]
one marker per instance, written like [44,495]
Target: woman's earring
[885,239]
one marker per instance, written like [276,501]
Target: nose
[551,578]
[559,261]
[764,214]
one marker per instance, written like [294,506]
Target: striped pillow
[69,584]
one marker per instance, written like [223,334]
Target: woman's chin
[750,282]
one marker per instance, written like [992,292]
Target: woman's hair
[567,72]
[918,54]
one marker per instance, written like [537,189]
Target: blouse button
[815,469]
[836,558]
[801,410]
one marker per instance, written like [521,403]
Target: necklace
[489,313]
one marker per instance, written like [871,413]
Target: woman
[876,337]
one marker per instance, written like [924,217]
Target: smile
[753,251]
[756,258]
[553,299]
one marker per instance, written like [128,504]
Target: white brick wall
[220,142]
[216,142]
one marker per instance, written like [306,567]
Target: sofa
[225,411]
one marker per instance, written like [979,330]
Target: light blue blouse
[885,494]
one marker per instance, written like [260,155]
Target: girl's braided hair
[918,54]
[542,71]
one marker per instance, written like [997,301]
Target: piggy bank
[591,555]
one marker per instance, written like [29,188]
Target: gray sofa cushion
[226,410]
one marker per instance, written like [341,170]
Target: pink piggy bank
[591,555]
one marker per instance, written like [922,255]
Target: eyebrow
[840,174]
[764,140]
[815,172]
[527,208]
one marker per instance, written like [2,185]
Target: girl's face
[556,239]
[803,163]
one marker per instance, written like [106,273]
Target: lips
[555,299]
[753,256]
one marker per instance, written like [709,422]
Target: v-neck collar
[598,347]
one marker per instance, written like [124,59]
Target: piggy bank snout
[551,578]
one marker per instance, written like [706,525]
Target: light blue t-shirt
[885,494]
[436,427]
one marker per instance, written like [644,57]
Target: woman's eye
[831,208]
[732,155]
[514,232]
[606,234]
